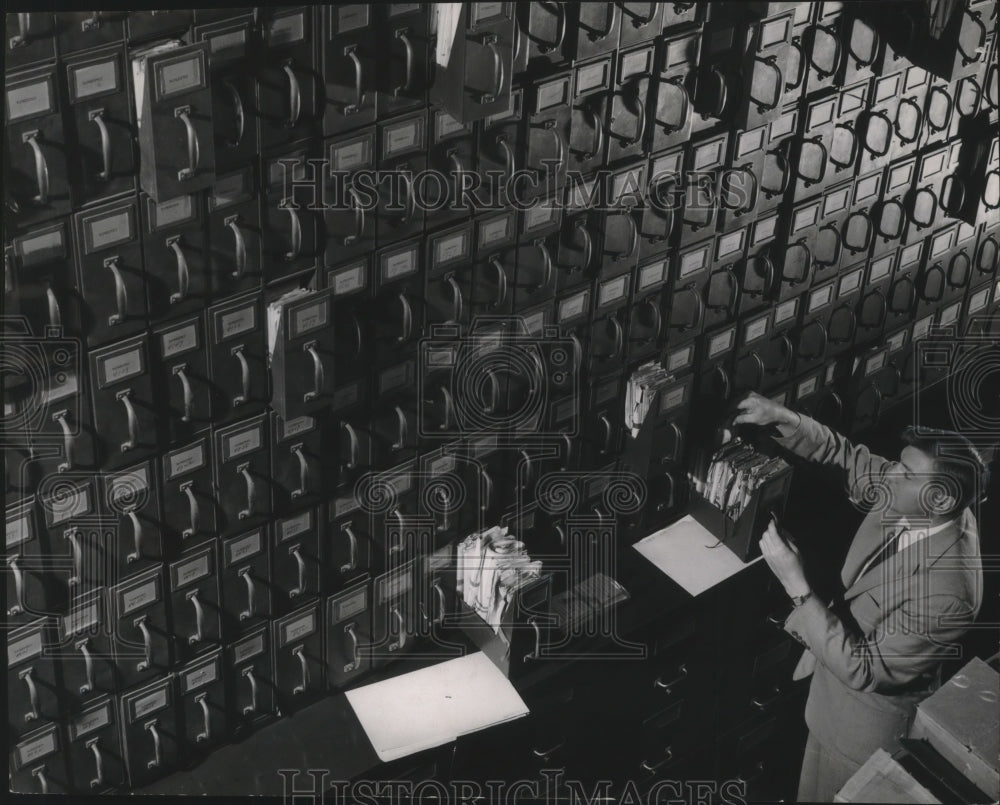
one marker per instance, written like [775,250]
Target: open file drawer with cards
[245,581]
[201,702]
[250,679]
[142,640]
[86,652]
[348,634]
[151,732]
[94,749]
[123,403]
[189,501]
[38,763]
[173,102]
[297,646]
[33,689]
[195,603]
[237,351]
[296,569]
[301,354]
[243,474]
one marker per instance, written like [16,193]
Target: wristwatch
[799,600]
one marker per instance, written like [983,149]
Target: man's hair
[955,456]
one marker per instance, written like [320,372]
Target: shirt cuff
[787,431]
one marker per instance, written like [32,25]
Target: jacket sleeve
[911,641]
[816,442]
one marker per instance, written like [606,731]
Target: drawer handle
[24,26]
[359,96]
[546,262]
[180,373]
[755,193]
[734,291]
[296,231]
[401,625]
[761,369]
[68,440]
[678,83]
[401,429]
[232,223]
[838,47]
[199,618]
[43,782]
[883,305]
[299,651]
[917,127]
[811,180]
[27,676]
[294,96]
[508,155]
[633,238]
[88,664]
[456,300]
[55,314]
[353,446]
[668,755]
[536,652]
[240,115]
[150,727]
[758,770]
[355,656]
[193,147]
[97,117]
[251,609]
[560,144]
[300,563]
[692,288]
[183,273]
[457,171]
[205,734]
[244,376]
[618,339]
[545,47]
[788,351]
[599,135]
[764,106]
[359,218]
[303,472]
[411,201]
[401,522]
[487,503]
[764,704]
[251,708]
[528,468]
[244,470]
[887,139]
[502,280]
[786,174]
[121,294]
[544,753]
[851,330]
[768,278]
[319,375]
[608,433]
[610,19]
[147,643]
[188,489]
[442,605]
[407,319]
[136,537]
[950,182]
[92,745]
[682,673]
[805,271]
[849,162]
[18,608]
[352,541]
[588,244]
[490,41]
[678,449]
[73,535]
[401,35]
[31,138]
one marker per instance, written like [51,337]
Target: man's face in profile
[911,482]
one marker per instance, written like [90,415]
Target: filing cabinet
[243,474]
[828,235]
[29,37]
[86,655]
[349,435]
[143,25]
[949,256]
[448,267]
[663,205]
[620,219]
[232,48]
[297,647]
[393,613]
[201,698]
[640,22]
[348,634]
[601,427]
[900,362]
[142,640]
[349,67]
[766,66]
[763,278]
[37,187]
[350,285]
[33,688]
[690,274]
[548,116]
[815,395]
[873,307]
[79,541]
[245,582]
[499,138]
[298,466]
[403,72]
[234,233]
[740,189]
[628,102]
[776,171]
[859,229]
[824,47]
[289,81]
[677,60]
[38,761]
[397,312]
[188,496]
[892,216]
[446,190]
[704,166]
[195,603]
[347,217]
[877,128]
[548,259]
[843,322]
[572,315]
[151,732]
[401,157]
[132,502]
[39,266]
[347,541]
[174,106]
[182,378]
[94,749]
[397,525]
[291,240]
[646,326]
[175,256]
[489,284]
[109,271]
[296,568]
[723,288]
[302,356]
[103,125]
[123,403]
[902,294]
[762,358]
[238,357]
[598,29]
[394,417]
[540,37]
[448,479]
[250,676]
[588,123]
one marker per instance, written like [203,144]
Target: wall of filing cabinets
[183,564]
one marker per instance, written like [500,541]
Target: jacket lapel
[866,542]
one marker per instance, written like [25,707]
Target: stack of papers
[435,705]
[274,310]
[643,387]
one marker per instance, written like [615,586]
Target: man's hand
[757,410]
[784,560]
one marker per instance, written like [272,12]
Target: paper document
[683,552]
[435,705]
[448,17]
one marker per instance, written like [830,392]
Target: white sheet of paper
[448,17]
[682,552]
[435,705]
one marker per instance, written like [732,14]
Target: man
[912,586]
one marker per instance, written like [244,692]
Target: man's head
[938,474]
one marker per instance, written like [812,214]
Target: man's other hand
[758,410]
[784,560]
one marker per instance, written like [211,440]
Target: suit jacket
[877,653]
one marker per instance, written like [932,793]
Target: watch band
[799,600]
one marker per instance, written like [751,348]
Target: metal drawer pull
[401,429]
[544,753]
[502,281]
[55,314]
[948,185]
[355,656]
[206,734]
[92,745]
[68,440]
[244,376]
[147,642]
[24,37]
[546,262]
[136,537]
[41,166]
[303,472]
[296,234]
[720,107]
[407,319]
[456,300]
[294,96]
[608,433]
[300,563]
[633,238]
[193,147]
[250,611]
[682,672]
[359,217]
[508,155]
[183,273]
[150,727]
[121,294]
[18,608]
[353,446]
[487,503]
[178,371]
[199,618]
[401,522]
[43,782]
[652,767]
[88,663]
[97,117]
[318,373]
[241,246]
[240,116]
[359,96]
[490,41]
[449,407]
[401,34]
[561,30]
[442,606]
[401,624]
[73,534]
[352,562]
[411,200]
[299,651]
[677,82]
[599,136]
[244,470]
[187,489]
[26,675]
[251,708]
[536,653]
[588,244]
